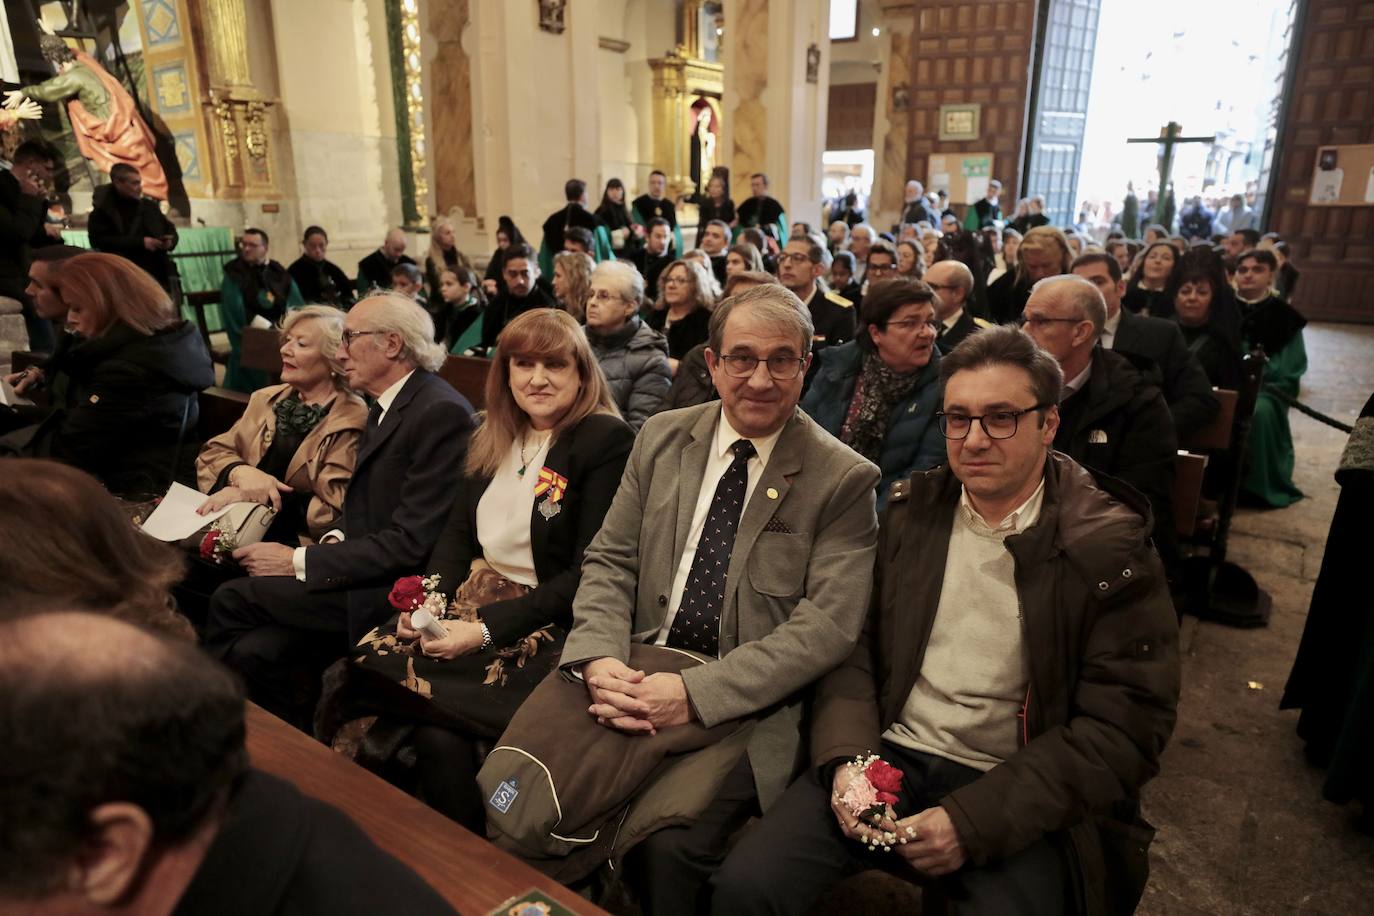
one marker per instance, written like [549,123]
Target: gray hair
[331,324]
[866,228]
[773,303]
[1007,345]
[625,278]
[1080,293]
[408,319]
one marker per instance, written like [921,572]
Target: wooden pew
[1215,441]
[220,409]
[470,873]
[261,349]
[1216,435]
[1188,473]
[468,376]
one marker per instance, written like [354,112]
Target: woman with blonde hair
[295,445]
[572,281]
[134,368]
[684,306]
[443,254]
[1043,252]
[540,474]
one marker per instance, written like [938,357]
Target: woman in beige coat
[295,446]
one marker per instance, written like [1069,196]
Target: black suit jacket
[120,228]
[403,486]
[279,853]
[592,457]
[1181,377]
[962,328]
[375,270]
[21,218]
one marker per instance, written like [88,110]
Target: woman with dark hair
[716,205]
[1205,309]
[319,279]
[133,376]
[614,212]
[1151,276]
[67,545]
[879,392]
[683,309]
[539,477]
[967,248]
[494,281]
[742,257]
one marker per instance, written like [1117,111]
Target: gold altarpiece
[681,79]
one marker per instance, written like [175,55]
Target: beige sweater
[973,678]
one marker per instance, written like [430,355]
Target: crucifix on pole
[1169,136]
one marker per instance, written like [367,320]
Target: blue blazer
[913,439]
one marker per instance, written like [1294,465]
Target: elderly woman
[878,393]
[572,281]
[742,257]
[538,480]
[633,356]
[1147,291]
[133,373]
[1043,252]
[684,306]
[66,544]
[295,445]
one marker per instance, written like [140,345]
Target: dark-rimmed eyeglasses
[999,424]
[780,368]
[350,336]
[906,324]
[1036,322]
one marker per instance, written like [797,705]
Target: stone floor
[1242,825]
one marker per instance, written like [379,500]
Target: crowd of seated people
[820,481]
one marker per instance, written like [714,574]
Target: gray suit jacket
[795,594]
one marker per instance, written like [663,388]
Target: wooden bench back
[1216,435]
[468,376]
[261,349]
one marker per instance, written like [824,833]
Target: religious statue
[106,123]
[551,15]
[706,144]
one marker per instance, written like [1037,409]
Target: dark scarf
[252,279]
[296,416]
[876,392]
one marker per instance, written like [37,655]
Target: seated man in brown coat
[1019,667]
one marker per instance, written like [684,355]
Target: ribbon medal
[551,486]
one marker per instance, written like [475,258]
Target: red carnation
[207,544]
[407,594]
[886,778]
[887,798]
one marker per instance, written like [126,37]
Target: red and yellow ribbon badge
[551,483]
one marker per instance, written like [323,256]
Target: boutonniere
[551,486]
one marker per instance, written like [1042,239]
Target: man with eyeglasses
[1112,417]
[744,532]
[952,283]
[523,292]
[299,609]
[800,265]
[1020,667]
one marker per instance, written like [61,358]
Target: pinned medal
[551,486]
[772,493]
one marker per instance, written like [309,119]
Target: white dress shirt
[504,511]
[952,320]
[717,463]
[1109,331]
[1078,381]
[335,534]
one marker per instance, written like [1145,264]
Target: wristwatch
[486,636]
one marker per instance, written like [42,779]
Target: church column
[891,113]
[450,83]
[536,114]
[777,84]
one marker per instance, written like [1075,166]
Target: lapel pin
[772,493]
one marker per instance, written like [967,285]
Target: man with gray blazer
[741,530]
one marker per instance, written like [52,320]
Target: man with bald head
[952,282]
[1112,418]
[302,608]
[374,271]
[125,787]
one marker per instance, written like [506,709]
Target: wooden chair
[260,349]
[468,376]
[1217,435]
[1188,473]
[198,303]
[1215,440]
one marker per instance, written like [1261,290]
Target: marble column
[891,112]
[774,115]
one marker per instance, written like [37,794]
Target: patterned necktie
[697,624]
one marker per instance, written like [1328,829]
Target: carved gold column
[455,183]
[238,118]
[891,114]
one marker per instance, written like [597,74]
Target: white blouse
[503,513]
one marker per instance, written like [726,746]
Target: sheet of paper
[175,517]
[9,398]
